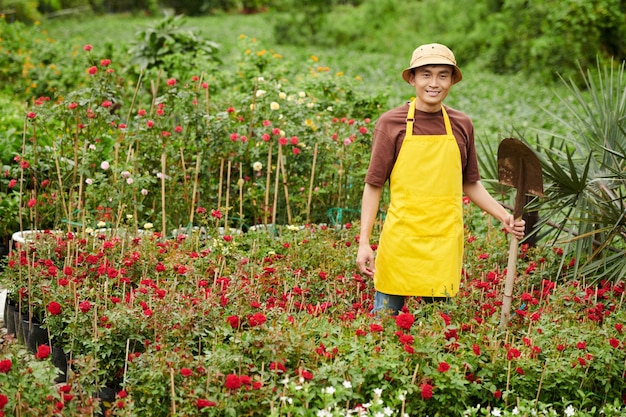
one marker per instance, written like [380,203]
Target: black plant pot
[36,335]
[9,317]
[20,331]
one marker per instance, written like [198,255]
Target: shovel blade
[519,167]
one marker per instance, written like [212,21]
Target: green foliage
[586,175]
[170,47]
[555,37]
[20,10]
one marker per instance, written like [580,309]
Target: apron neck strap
[410,117]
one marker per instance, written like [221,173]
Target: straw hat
[433,53]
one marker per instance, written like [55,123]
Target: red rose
[84,306]
[3,401]
[186,372]
[5,366]
[426,391]
[233,321]
[43,351]
[54,308]
[405,320]
[202,403]
[256,319]
[443,367]
[232,382]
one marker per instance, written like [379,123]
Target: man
[426,150]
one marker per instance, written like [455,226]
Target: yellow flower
[148,226]
[314,58]
[339,74]
[358,78]
[282,95]
[261,53]
[242,36]
[274,105]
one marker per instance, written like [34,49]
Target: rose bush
[278,323]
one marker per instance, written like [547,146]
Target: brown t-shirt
[390,131]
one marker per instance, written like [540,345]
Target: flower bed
[278,324]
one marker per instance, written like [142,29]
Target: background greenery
[511,52]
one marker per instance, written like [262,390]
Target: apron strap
[410,117]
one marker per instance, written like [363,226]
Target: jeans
[394,303]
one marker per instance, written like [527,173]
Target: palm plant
[585,175]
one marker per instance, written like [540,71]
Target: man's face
[432,84]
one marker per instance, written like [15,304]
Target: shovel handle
[511,269]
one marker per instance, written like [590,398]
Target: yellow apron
[420,252]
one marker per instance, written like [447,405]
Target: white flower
[496,412]
[252,106]
[379,414]
[570,411]
[257,166]
[328,390]
[347,384]
[89,230]
[402,396]
[92,147]
[323,413]
[285,381]
[101,224]
[148,226]
[378,392]
[260,93]
[144,191]
[387,411]
[515,411]
[302,94]
[129,216]
[104,165]
[260,79]
[88,181]
[282,95]
[274,105]
[329,108]
[310,105]
[129,180]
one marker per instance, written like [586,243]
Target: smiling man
[426,151]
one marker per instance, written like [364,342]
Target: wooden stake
[286,188]
[163,219]
[219,191]
[227,197]
[240,193]
[267,184]
[308,202]
[195,187]
[173,392]
[280,157]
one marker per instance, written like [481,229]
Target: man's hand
[516,227]
[365,259]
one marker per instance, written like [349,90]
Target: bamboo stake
[267,184]
[173,392]
[280,156]
[308,202]
[163,220]
[195,187]
[240,193]
[226,210]
[284,176]
[219,190]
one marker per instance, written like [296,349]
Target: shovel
[518,167]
